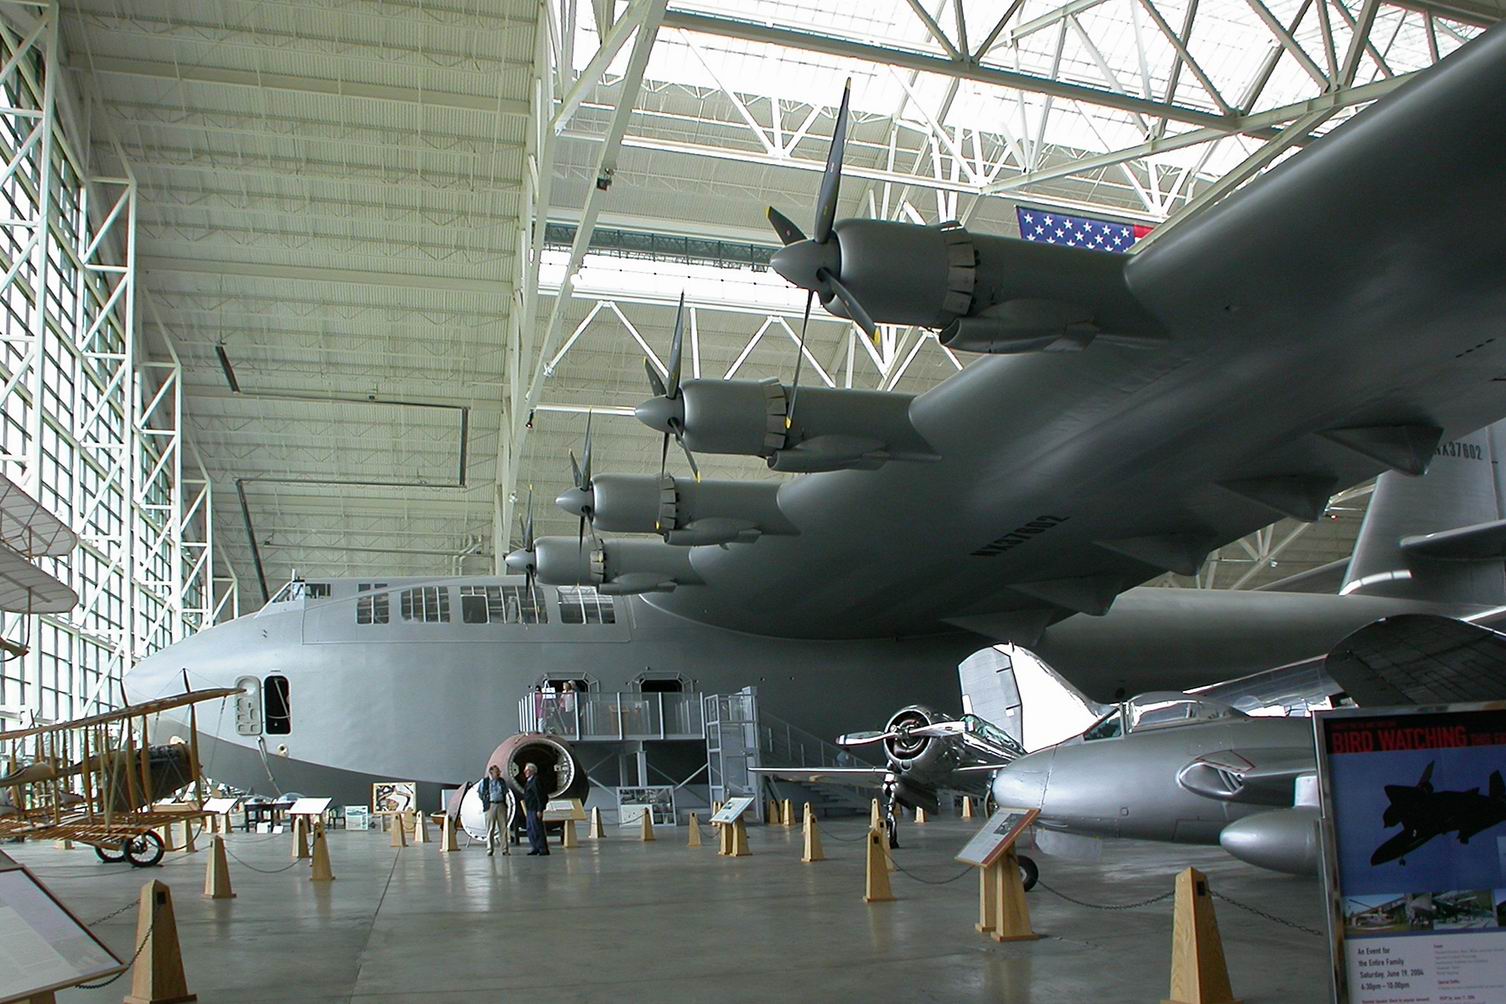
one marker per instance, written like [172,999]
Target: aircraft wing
[1420,659]
[1260,777]
[1327,322]
[863,776]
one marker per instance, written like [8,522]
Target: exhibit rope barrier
[1105,906]
[967,870]
[139,949]
[114,913]
[265,871]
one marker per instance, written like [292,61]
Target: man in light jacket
[494,803]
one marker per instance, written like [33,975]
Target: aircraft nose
[661,413]
[1022,784]
[518,561]
[801,263]
[576,501]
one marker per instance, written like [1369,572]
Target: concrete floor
[622,920]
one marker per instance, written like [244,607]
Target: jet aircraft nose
[802,262]
[1022,784]
[577,501]
[662,413]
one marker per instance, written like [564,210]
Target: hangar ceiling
[403,248]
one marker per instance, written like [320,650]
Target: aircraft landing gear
[891,824]
[143,850]
[1029,872]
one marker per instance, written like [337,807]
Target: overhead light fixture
[235,386]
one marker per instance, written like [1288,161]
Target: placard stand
[1003,913]
[1011,917]
[739,842]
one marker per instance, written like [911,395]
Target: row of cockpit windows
[482,605]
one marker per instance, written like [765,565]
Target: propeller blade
[528,524]
[831,180]
[854,308]
[785,227]
[580,541]
[689,457]
[654,380]
[864,738]
[1427,775]
[789,418]
[676,351]
[663,456]
[575,471]
[585,460]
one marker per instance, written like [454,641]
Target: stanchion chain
[1267,916]
[1104,906]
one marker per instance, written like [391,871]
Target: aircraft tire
[144,850]
[112,856]
[1029,872]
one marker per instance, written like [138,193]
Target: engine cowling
[924,760]
[831,430]
[684,512]
[614,567]
[1283,840]
[561,771]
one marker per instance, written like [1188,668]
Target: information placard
[43,947]
[220,806]
[1002,829]
[310,807]
[560,809]
[735,807]
[1414,832]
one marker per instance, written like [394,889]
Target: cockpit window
[1108,727]
[1164,710]
[991,733]
[316,590]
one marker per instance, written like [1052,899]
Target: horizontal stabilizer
[1323,579]
[1420,659]
[1481,542]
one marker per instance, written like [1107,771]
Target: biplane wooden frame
[90,780]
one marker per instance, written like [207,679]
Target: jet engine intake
[560,771]
[686,512]
[614,567]
[831,430]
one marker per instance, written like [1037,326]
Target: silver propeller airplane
[1128,414]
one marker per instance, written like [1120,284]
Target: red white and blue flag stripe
[1078,231]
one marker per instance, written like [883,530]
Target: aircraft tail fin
[1419,659]
[1497,785]
[990,691]
[1440,537]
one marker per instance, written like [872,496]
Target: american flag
[1078,231]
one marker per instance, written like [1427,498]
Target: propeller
[523,559]
[584,490]
[814,263]
[667,409]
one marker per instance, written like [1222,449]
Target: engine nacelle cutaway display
[614,567]
[831,429]
[560,770]
[687,512]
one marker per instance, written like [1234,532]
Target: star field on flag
[1078,231]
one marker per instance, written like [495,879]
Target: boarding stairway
[784,745]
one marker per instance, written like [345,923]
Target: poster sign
[1414,833]
[43,946]
[394,796]
[997,835]
[728,813]
[357,817]
[658,799]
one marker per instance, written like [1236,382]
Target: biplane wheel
[113,854]
[145,849]
[1029,872]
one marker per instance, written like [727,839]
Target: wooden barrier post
[399,837]
[772,817]
[217,874]
[739,842]
[648,824]
[876,883]
[188,837]
[596,831]
[420,828]
[789,814]
[812,838]
[1199,974]
[447,835]
[321,871]
[1011,919]
[967,807]
[920,814]
[568,837]
[165,831]
[875,821]
[695,832]
[157,977]
[300,837]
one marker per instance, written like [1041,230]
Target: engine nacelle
[686,512]
[614,567]
[832,429]
[561,772]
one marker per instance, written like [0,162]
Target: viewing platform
[618,716]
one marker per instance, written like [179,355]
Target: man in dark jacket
[494,804]
[534,800]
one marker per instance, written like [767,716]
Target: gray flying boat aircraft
[1130,414]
